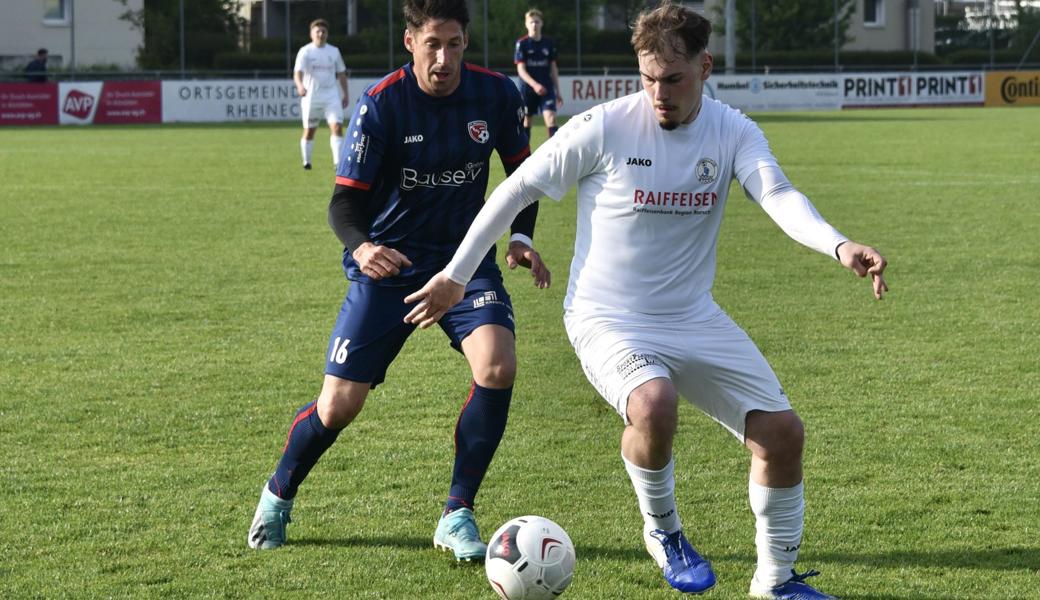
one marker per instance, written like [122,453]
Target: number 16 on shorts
[338,353]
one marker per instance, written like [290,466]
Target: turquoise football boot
[457,531]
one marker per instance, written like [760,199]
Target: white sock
[779,516]
[656,493]
[336,143]
[306,146]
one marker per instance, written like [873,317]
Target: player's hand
[559,101]
[379,262]
[864,260]
[301,92]
[522,255]
[540,90]
[433,300]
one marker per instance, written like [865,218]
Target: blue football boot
[272,515]
[794,588]
[457,531]
[683,568]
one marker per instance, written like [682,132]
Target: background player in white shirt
[321,82]
[653,171]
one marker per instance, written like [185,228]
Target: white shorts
[314,108]
[711,361]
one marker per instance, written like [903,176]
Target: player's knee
[338,405]
[654,410]
[497,374]
[778,437]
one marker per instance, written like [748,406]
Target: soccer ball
[529,558]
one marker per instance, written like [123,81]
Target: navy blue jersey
[426,160]
[537,56]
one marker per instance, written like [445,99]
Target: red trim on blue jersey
[296,422]
[517,158]
[354,183]
[387,81]
[479,69]
[522,38]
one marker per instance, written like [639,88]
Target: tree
[784,25]
[210,26]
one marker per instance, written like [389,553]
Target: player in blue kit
[535,58]
[406,192]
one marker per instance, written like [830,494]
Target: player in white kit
[321,82]
[653,171]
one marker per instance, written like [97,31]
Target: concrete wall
[100,36]
[896,30]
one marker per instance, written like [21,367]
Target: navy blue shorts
[370,330]
[535,104]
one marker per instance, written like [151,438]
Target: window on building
[55,10]
[873,13]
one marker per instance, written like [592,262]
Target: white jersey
[320,67]
[650,201]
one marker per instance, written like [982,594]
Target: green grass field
[166,296]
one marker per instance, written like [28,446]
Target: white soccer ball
[529,558]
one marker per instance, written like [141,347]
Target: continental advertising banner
[110,102]
[28,104]
[1013,88]
[912,89]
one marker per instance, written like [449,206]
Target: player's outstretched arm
[522,255]
[433,300]
[864,260]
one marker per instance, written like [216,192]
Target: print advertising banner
[28,104]
[228,100]
[912,89]
[110,102]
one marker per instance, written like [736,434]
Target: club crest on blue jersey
[478,131]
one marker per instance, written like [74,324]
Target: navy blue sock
[308,440]
[552,131]
[480,428]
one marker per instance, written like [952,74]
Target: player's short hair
[418,12]
[671,28]
[319,23]
[534,12]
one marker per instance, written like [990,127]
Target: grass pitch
[166,296]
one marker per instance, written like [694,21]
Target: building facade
[77,33]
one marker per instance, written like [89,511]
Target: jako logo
[639,162]
[412,139]
[78,104]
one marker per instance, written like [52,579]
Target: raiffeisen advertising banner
[913,89]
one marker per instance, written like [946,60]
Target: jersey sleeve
[512,144]
[752,150]
[552,51]
[575,152]
[301,61]
[341,67]
[368,135]
[518,53]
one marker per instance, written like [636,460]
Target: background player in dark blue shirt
[535,58]
[406,192]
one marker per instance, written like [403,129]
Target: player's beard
[672,124]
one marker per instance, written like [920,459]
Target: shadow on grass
[991,559]
[840,117]
[417,543]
